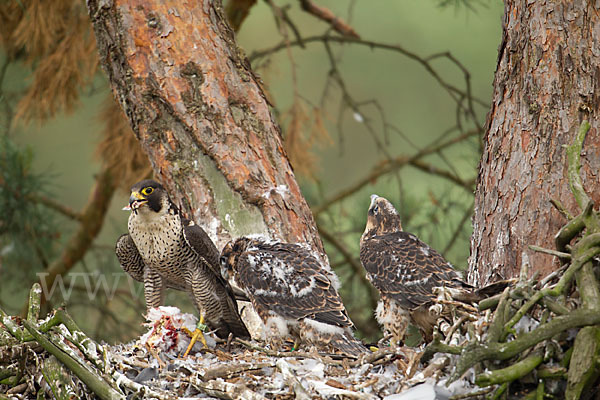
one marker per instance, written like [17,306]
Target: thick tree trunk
[201,116]
[547,81]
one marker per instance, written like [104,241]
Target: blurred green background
[401,98]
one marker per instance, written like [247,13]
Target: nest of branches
[54,358]
[541,337]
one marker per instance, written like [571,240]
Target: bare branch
[358,269]
[326,15]
[432,169]
[387,167]
[459,228]
[92,218]
[457,94]
[64,210]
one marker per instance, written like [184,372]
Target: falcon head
[382,218]
[230,254]
[148,196]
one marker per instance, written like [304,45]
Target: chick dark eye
[375,209]
[147,191]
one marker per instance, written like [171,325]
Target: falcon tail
[348,345]
[494,288]
[234,326]
[231,321]
[475,295]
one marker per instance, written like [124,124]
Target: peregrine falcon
[292,293]
[405,270]
[163,249]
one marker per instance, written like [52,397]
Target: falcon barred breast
[163,249]
[405,270]
[292,293]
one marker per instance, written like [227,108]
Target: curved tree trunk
[201,116]
[547,82]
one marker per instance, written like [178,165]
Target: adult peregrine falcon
[292,293]
[163,249]
[405,270]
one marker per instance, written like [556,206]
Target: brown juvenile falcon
[405,270]
[163,249]
[292,293]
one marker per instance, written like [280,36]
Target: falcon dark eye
[375,210]
[147,191]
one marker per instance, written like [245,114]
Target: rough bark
[547,81]
[201,116]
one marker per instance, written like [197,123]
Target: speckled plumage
[292,293]
[164,249]
[404,269]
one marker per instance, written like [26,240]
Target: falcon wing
[228,315]
[288,280]
[403,267]
[129,257]
[132,263]
[201,243]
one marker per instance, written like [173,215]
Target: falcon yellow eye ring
[147,191]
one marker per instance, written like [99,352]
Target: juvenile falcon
[292,293]
[163,249]
[405,270]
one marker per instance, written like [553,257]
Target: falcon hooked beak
[136,200]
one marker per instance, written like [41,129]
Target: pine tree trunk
[546,83]
[201,116]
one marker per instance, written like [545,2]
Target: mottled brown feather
[287,281]
[403,267]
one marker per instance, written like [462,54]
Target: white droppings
[281,190]
[229,220]
[212,228]
[526,324]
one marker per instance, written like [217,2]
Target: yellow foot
[198,333]
[296,345]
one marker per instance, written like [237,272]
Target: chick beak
[374,198]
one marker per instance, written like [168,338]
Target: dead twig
[91,222]
[326,15]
